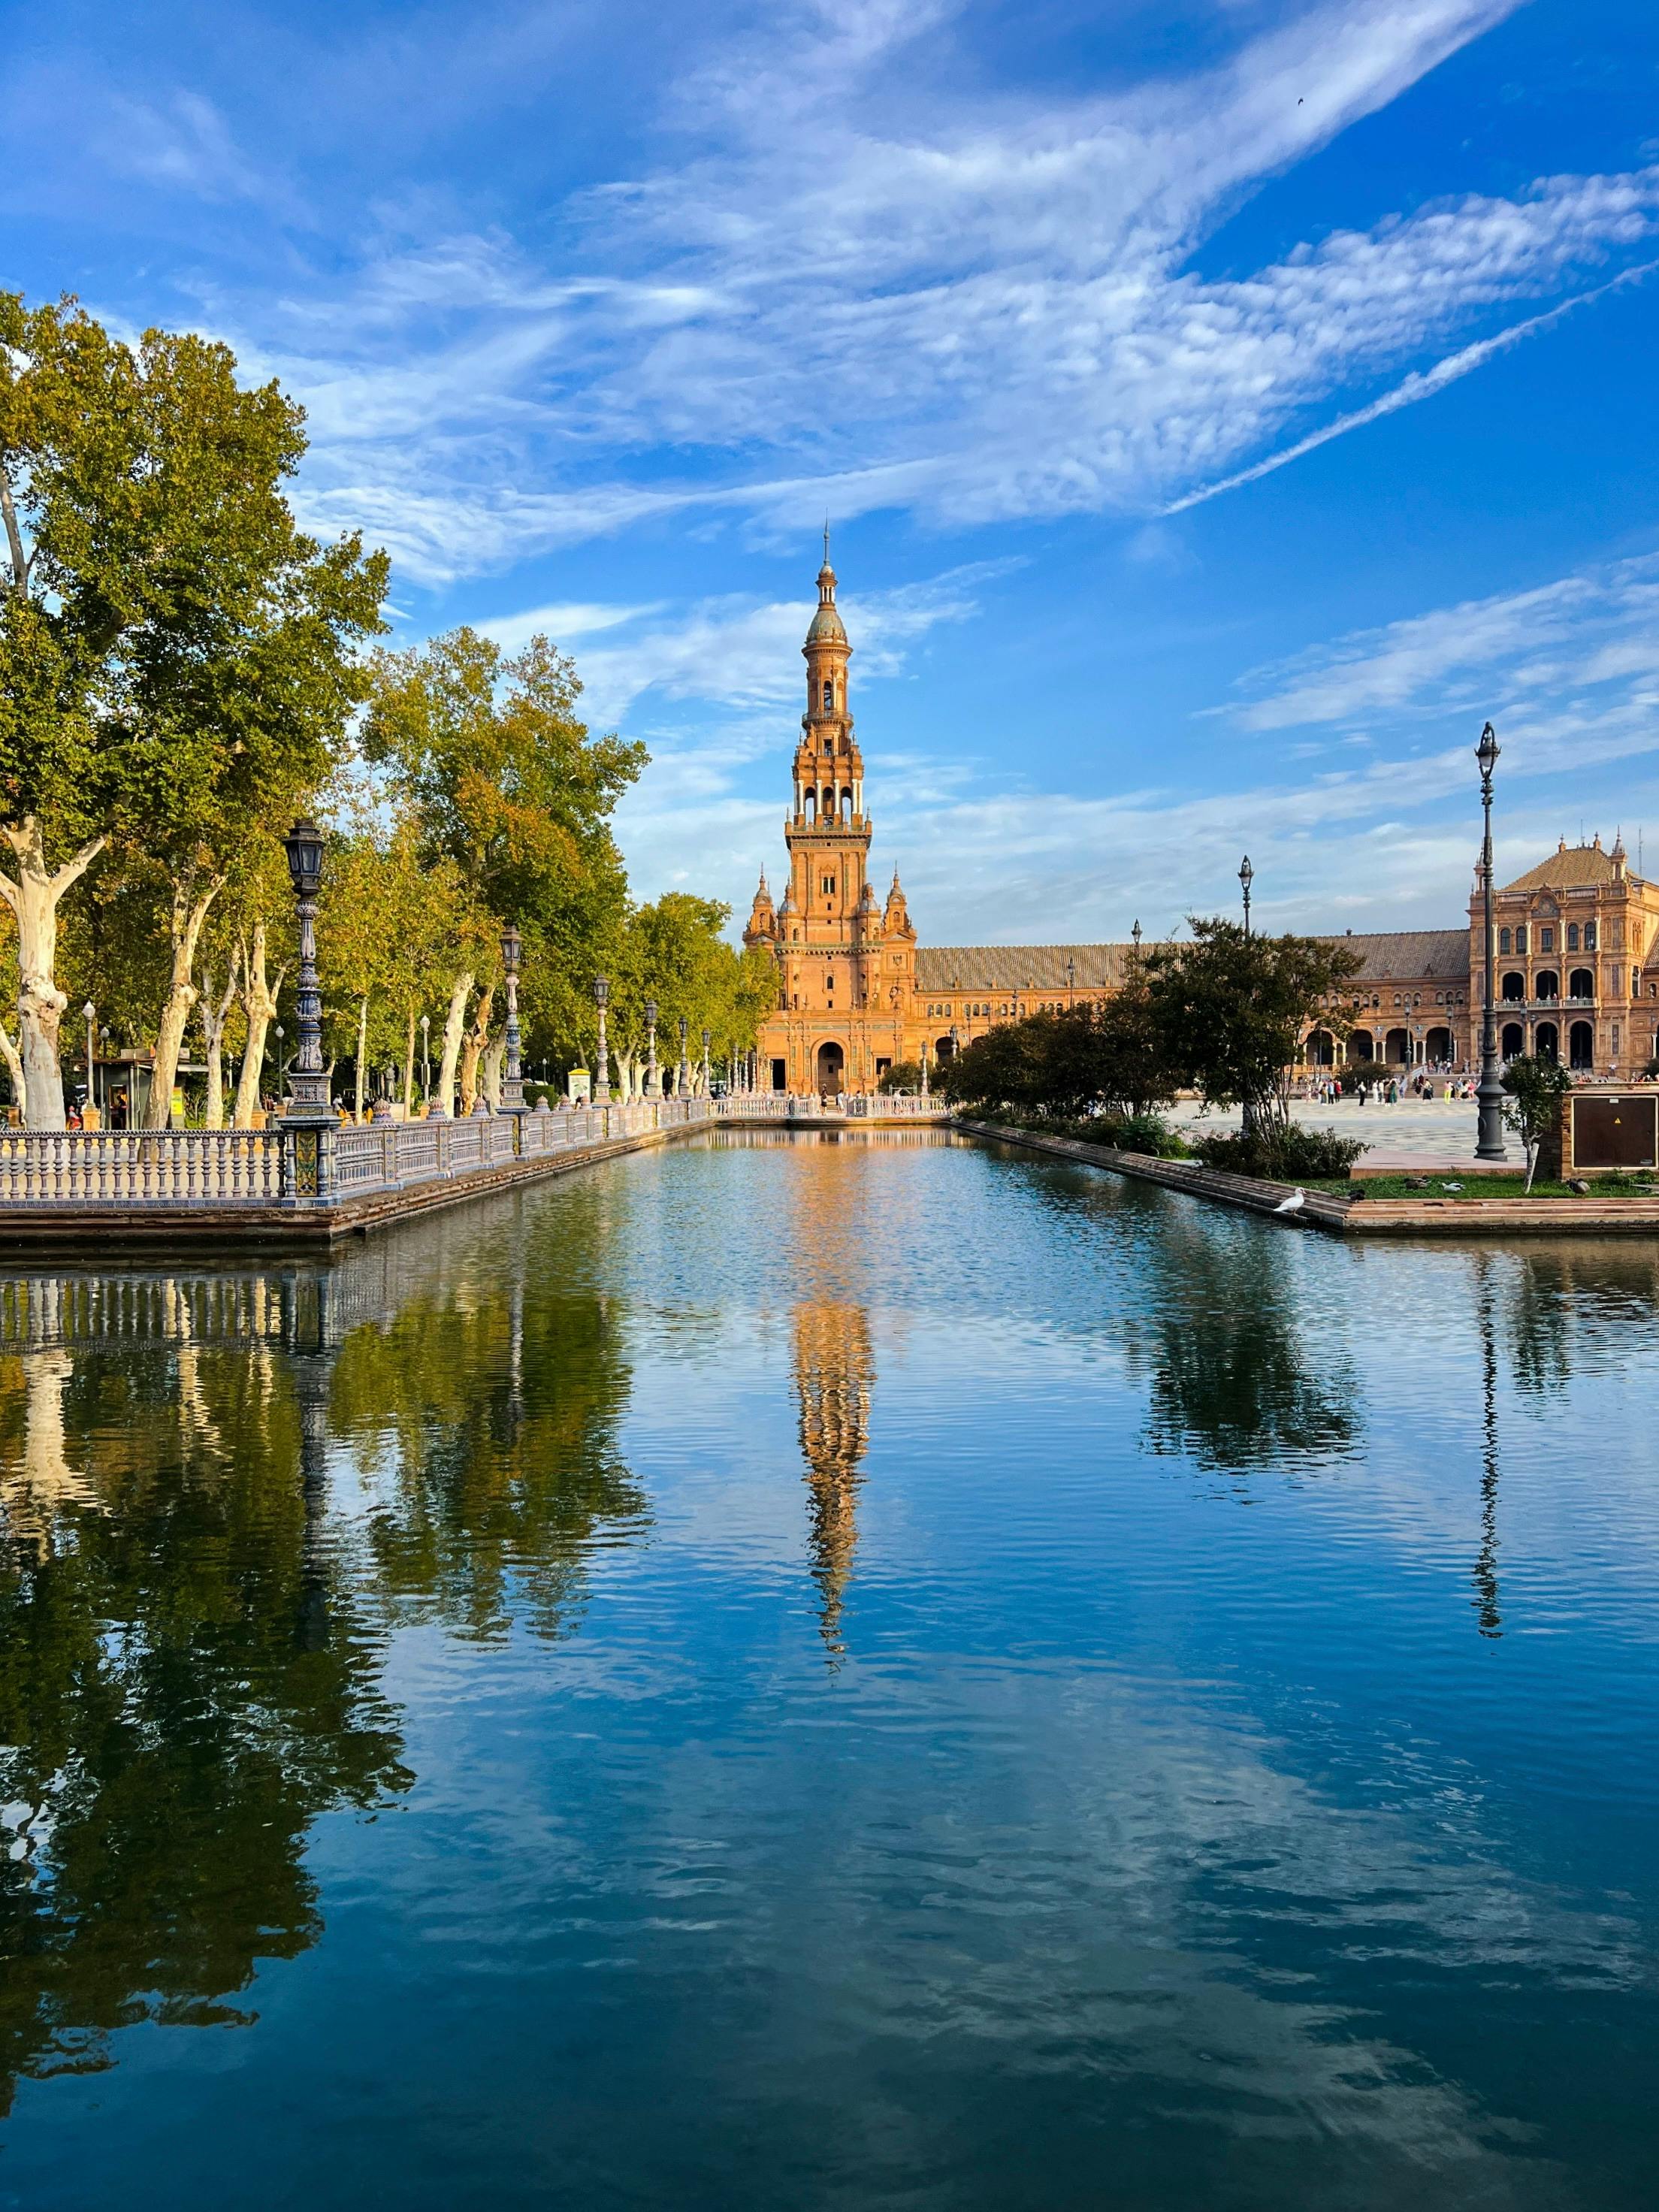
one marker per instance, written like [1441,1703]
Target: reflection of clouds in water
[1112,1886]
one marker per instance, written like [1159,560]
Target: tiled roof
[1392,954]
[1572,867]
[1018,967]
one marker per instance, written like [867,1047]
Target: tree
[490,759]
[903,1075]
[1537,1088]
[175,654]
[1230,1007]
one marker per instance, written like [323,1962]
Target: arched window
[1520,940]
[1572,937]
[1504,942]
[829,697]
[1547,940]
[1589,936]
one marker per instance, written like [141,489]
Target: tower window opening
[829,697]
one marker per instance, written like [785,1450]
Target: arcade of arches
[857,993]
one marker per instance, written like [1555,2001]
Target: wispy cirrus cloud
[850,277]
[1367,835]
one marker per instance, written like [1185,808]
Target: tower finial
[826,540]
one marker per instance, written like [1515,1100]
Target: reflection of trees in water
[1568,1308]
[1230,1378]
[190,1646]
[834,1370]
[497,1417]
[172,1724]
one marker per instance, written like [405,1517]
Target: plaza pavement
[1417,1132]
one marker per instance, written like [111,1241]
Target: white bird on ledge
[1294,1203]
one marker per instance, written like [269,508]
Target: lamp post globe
[1489,1091]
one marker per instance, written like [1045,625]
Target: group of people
[1390,1090]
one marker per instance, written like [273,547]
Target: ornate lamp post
[1135,934]
[652,1078]
[705,1063]
[513,1074]
[90,1015]
[683,1074]
[1071,982]
[924,1067]
[1246,877]
[602,999]
[1489,1141]
[304,846]
[426,1058]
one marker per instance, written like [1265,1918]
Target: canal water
[797,1673]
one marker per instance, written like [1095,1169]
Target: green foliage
[903,1075]
[1535,1088]
[176,656]
[1139,1133]
[1230,1006]
[1284,1151]
[1067,1064]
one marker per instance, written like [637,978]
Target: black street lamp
[1489,1140]
[1135,934]
[1246,877]
[513,1074]
[304,847]
[602,999]
[1071,982]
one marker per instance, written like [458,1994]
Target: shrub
[1293,1153]
[1138,1132]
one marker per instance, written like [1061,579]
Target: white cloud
[736,653]
[1378,836]
[856,280]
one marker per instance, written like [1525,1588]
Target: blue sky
[1222,405]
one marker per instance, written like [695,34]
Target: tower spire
[826,540]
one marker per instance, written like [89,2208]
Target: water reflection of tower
[834,1370]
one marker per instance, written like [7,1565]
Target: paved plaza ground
[1418,1131]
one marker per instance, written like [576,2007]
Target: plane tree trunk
[34,894]
[260,1004]
[189,914]
[454,1019]
[216,1012]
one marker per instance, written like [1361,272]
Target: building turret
[763,924]
[895,922]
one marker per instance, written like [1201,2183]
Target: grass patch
[1492,1186]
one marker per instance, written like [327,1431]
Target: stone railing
[808,1105]
[164,1168]
[150,1167]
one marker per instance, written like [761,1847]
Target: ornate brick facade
[1579,947]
